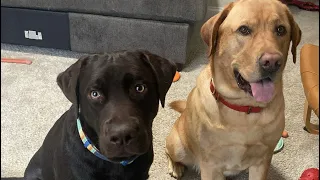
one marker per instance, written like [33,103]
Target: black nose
[270,62]
[123,134]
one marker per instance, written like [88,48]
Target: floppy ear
[295,35]
[163,70]
[68,80]
[209,30]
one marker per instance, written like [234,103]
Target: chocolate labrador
[234,116]
[107,132]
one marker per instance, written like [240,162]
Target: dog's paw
[176,169]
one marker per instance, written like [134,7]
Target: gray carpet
[31,102]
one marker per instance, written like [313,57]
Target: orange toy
[18,61]
[176,76]
[285,134]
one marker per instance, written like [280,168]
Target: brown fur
[212,137]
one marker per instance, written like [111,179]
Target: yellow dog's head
[248,43]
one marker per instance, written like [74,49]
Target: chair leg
[311,128]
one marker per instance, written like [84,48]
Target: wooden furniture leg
[310,127]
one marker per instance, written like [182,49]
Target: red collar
[247,109]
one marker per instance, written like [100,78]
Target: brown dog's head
[118,95]
[248,43]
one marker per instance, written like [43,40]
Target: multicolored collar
[246,109]
[92,148]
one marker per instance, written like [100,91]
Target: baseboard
[211,11]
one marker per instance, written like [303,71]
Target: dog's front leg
[260,171]
[210,173]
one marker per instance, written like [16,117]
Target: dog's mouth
[119,155]
[120,159]
[262,90]
[242,83]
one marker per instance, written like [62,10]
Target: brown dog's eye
[281,30]
[95,94]
[140,88]
[244,30]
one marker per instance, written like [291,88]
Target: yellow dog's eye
[244,30]
[281,30]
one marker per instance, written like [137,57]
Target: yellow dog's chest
[235,150]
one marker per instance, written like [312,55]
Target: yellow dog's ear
[295,35]
[209,30]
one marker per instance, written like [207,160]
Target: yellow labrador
[234,116]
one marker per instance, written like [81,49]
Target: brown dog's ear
[209,30]
[163,70]
[68,80]
[295,35]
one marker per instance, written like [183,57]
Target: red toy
[309,6]
[310,174]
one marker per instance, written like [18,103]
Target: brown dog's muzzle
[123,138]
[123,134]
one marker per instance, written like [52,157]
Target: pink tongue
[262,91]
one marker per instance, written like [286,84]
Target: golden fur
[212,137]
